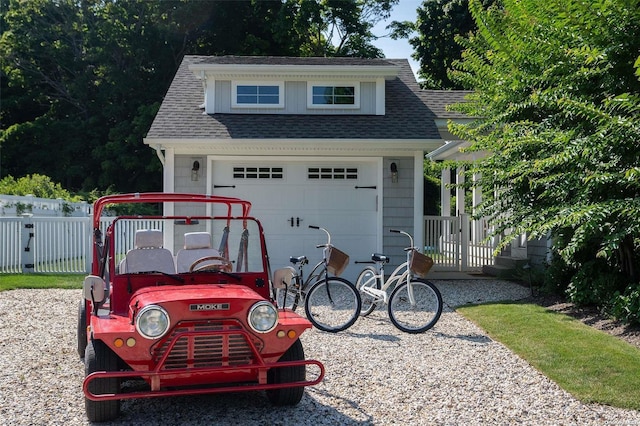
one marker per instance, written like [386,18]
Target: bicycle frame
[304,284]
[400,274]
[318,272]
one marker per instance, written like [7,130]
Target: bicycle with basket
[332,303]
[415,304]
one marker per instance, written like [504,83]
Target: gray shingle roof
[410,112]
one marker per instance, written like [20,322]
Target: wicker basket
[420,264]
[338,261]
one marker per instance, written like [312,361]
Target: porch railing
[458,243]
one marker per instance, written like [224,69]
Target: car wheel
[99,357]
[82,328]
[288,396]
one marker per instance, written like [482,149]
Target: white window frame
[356,94]
[234,94]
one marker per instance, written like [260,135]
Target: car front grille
[208,349]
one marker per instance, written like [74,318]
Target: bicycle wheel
[368,301]
[421,314]
[332,305]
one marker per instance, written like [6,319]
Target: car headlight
[152,322]
[263,317]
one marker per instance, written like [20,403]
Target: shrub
[595,283]
[626,306]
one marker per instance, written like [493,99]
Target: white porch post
[418,196]
[460,192]
[445,192]
[477,225]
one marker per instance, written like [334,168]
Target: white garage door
[288,196]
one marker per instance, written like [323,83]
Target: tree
[84,79]
[557,93]
[439,23]
[337,27]
[74,71]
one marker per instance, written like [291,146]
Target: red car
[169,304]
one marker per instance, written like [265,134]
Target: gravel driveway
[451,375]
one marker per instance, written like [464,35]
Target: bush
[626,306]
[595,283]
[40,186]
[556,277]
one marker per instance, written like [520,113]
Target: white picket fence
[58,244]
[63,244]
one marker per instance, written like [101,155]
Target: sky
[399,49]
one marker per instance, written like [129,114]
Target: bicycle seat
[377,257]
[299,259]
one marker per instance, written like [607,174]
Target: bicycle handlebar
[326,232]
[397,231]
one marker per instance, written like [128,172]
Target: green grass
[14,281]
[591,365]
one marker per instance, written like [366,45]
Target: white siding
[295,101]
[398,203]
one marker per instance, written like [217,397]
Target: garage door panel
[348,199]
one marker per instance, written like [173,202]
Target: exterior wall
[295,101]
[538,251]
[398,206]
[184,184]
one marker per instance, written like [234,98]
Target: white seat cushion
[196,246]
[148,254]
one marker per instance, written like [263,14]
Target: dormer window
[257,94]
[329,95]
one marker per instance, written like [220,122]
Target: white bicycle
[415,304]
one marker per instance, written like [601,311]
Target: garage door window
[240,172]
[332,173]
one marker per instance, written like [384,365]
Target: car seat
[148,254]
[196,246]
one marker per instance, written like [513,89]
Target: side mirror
[94,289]
[282,277]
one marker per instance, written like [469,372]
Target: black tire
[422,315]
[82,328]
[368,301]
[333,305]
[99,357]
[288,396]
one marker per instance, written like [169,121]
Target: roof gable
[410,113]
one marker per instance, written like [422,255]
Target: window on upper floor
[324,95]
[263,95]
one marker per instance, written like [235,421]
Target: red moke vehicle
[192,318]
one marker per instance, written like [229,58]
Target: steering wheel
[224,264]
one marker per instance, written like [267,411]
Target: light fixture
[195,170]
[394,172]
